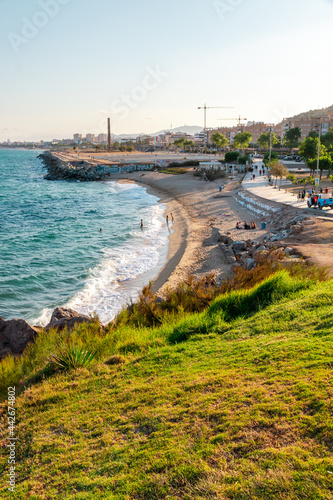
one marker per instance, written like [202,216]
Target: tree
[325,163]
[293,179]
[231,156]
[274,158]
[242,140]
[292,137]
[327,140]
[305,181]
[309,148]
[188,144]
[130,148]
[219,140]
[264,140]
[179,142]
[278,171]
[313,134]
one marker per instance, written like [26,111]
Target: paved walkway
[260,187]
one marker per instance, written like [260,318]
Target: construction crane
[239,119]
[205,107]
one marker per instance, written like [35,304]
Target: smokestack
[109,134]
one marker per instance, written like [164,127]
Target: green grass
[230,402]
[173,170]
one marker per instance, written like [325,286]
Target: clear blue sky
[68,64]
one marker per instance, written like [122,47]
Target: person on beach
[239,225]
[253,225]
[167,220]
[172,218]
[299,196]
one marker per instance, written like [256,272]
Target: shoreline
[177,238]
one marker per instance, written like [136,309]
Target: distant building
[253,128]
[199,137]
[308,125]
[90,137]
[102,139]
[77,138]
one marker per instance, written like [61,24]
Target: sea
[73,244]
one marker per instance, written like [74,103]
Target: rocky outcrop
[61,170]
[62,318]
[15,335]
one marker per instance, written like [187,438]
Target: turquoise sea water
[52,252]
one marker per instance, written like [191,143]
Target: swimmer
[141,224]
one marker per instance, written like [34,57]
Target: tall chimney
[109,134]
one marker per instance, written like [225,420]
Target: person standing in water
[141,224]
[167,219]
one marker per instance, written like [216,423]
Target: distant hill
[185,129]
[313,113]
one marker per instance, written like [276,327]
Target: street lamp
[318,154]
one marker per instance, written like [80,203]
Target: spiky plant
[73,357]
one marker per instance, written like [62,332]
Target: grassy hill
[230,402]
[313,113]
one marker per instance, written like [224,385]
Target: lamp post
[270,147]
[318,154]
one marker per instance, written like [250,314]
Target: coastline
[177,238]
[199,210]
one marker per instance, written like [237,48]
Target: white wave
[104,292]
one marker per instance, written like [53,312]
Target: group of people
[168,218]
[261,171]
[301,194]
[245,225]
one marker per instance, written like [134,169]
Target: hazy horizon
[68,65]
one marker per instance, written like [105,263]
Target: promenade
[260,187]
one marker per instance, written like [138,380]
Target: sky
[67,65]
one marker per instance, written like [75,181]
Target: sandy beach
[198,208]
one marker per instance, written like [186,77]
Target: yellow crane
[205,107]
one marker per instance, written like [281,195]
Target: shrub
[247,302]
[243,159]
[231,156]
[213,174]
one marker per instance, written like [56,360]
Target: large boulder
[62,318]
[224,238]
[239,246]
[15,335]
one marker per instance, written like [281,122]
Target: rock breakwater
[58,169]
